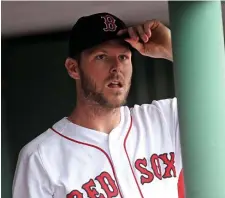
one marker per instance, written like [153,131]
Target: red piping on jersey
[180,185]
[98,148]
[124,144]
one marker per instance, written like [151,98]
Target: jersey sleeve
[168,108]
[31,179]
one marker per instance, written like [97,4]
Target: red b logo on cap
[110,24]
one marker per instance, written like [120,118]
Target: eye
[123,57]
[101,57]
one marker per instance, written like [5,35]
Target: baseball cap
[92,30]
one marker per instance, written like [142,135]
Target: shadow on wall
[37,92]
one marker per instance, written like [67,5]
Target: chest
[138,164]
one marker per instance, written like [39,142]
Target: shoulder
[42,141]
[163,106]
[32,147]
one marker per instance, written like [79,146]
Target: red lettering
[144,171]
[156,166]
[74,194]
[169,165]
[110,24]
[89,187]
[108,185]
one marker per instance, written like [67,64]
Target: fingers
[131,31]
[141,32]
[121,32]
[147,29]
[133,34]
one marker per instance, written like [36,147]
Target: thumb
[135,44]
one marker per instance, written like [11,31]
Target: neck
[95,117]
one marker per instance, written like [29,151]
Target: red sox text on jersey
[108,184]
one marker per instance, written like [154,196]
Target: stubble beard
[91,94]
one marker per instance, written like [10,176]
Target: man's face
[105,74]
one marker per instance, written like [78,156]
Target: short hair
[78,58]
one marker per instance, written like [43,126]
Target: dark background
[37,92]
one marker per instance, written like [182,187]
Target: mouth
[115,84]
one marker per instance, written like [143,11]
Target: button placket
[121,164]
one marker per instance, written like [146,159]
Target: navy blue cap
[93,30]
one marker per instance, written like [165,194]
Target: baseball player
[103,148]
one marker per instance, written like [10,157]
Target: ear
[72,68]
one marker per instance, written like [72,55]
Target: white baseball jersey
[139,158]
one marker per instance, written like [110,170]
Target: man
[104,149]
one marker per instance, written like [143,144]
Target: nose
[115,66]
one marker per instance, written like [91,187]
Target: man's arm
[151,38]
[168,108]
[31,179]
